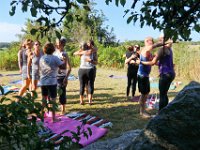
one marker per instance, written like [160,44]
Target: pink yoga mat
[70,124]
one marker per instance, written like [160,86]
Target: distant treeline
[4,45]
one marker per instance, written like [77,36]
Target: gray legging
[86,76]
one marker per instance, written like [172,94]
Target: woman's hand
[65,81]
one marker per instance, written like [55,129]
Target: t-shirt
[49,69]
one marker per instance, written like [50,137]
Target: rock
[119,143]
[177,127]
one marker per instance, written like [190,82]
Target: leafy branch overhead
[175,18]
[45,12]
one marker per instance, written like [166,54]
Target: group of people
[51,67]
[139,68]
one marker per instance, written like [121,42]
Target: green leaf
[154,12]
[117,3]
[86,8]
[90,131]
[59,91]
[197,28]
[2,90]
[12,12]
[82,1]
[130,19]
[107,2]
[33,12]
[33,31]
[13,2]
[123,2]
[85,135]
[57,1]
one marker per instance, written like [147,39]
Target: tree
[174,18]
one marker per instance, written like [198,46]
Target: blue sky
[10,26]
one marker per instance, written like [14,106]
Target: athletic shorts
[49,90]
[143,84]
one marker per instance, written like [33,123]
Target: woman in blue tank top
[164,57]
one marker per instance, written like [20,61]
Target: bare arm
[128,60]
[19,55]
[95,61]
[79,52]
[159,44]
[153,62]
[68,68]
[29,65]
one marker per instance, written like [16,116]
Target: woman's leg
[81,74]
[90,85]
[34,85]
[24,87]
[128,84]
[62,95]
[52,89]
[164,84]
[134,82]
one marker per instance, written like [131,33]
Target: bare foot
[82,103]
[62,113]
[56,120]
[145,115]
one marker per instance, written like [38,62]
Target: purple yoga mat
[70,124]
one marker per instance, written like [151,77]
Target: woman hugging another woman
[86,72]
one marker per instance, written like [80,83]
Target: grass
[109,100]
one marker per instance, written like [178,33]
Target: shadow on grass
[103,89]
[172,94]
[123,118]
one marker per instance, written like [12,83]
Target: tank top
[144,70]
[84,64]
[166,63]
[36,60]
[24,58]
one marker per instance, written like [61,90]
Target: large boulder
[176,127]
[119,143]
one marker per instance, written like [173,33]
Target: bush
[19,132]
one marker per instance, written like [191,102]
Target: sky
[11,26]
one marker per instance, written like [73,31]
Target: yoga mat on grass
[71,78]
[155,85]
[71,125]
[9,88]
[89,119]
[151,103]
[13,74]
[117,77]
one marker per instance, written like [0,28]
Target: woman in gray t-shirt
[49,65]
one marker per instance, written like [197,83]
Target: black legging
[132,80]
[62,96]
[86,76]
[164,84]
